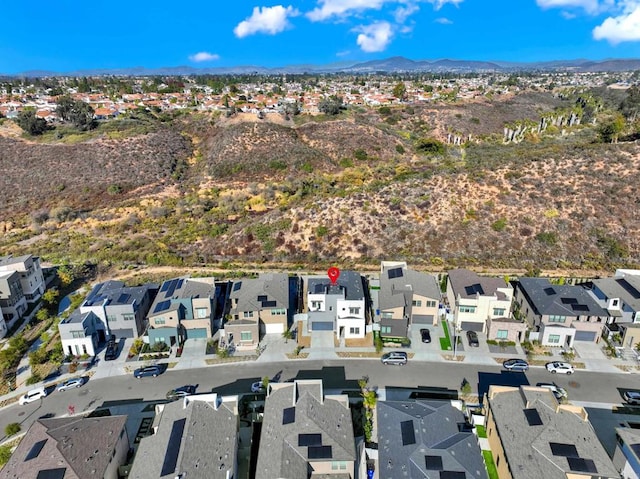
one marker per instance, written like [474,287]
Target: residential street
[583,386]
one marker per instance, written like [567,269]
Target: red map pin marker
[334,274]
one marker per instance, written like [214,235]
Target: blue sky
[68,35]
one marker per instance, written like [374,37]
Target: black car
[147,371]
[516,365]
[112,351]
[182,391]
[426,335]
[472,337]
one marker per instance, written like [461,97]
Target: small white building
[78,333]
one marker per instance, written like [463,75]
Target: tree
[12,428]
[331,105]
[611,129]
[50,296]
[28,120]
[77,112]
[630,106]
[400,91]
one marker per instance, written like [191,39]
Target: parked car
[71,383]
[32,395]
[631,397]
[472,337]
[515,365]
[398,358]
[559,367]
[147,371]
[558,392]
[426,335]
[182,391]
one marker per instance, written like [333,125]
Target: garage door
[277,328]
[422,319]
[471,326]
[322,326]
[585,336]
[196,333]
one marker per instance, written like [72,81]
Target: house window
[77,334]
[502,334]
[354,330]
[246,336]
[467,309]
[159,321]
[417,303]
[129,317]
[278,312]
[247,314]
[338,465]
[554,338]
[431,304]
[202,313]
[498,311]
[354,310]
[387,315]
[385,329]
[557,319]
[111,318]
[614,303]
[316,305]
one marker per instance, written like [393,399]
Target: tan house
[531,435]
[261,305]
[506,329]
[306,433]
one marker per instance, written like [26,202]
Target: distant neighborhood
[312,432]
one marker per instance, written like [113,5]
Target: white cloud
[402,13]
[623,28]
[203,57]
[374,37]
[270,20]
[590,6]
[443,21]
[337,8]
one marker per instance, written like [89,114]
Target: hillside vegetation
[366,185]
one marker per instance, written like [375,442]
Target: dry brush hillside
[350,190]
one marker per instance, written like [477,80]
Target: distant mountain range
[388,65]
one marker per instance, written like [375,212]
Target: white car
[32,395]
[558,392]
[71,383]
[560,367]
[631,397]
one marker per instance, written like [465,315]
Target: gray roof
[205,449]
[83,446]
[561,300]
[297,419]
[349,285]
[528,444]
[9,259]
[115,293]
[269,287]
[631,437]
[176,289]
[398,284]
[626,288]
[468,284]
[411,433]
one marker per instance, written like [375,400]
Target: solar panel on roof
[161,306]
[269,304]
[579,307]
[165,285]
[52,473]
[35,450]
[474,289]
[582,465]
[549,291]
[433,463]
[171,289]
[237,286]
[173,447]
[395,273]
[123,298]
[628,287]
[262,297]
[452,475]
[319,452]
[309,440]
[568,300]
[288,415]
[408,433]
[533,417]
[179,285]
[564,450]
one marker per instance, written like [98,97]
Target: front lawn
[445,343]
[491,467]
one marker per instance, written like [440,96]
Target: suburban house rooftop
[468,284]
[562,300]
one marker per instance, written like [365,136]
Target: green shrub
[400,148]
[5,454]
[12,428]
[360,154]
[34,379]
[548,238]
[430,146]
[499,225]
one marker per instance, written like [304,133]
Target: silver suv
[398,358]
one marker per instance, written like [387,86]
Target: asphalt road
[237,378]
